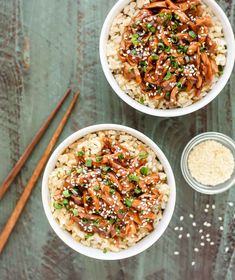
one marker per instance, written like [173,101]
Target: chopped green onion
[88,199]
[168,76]
[96,222]
[155,56]
[65,201]
[112,192]
[88,235]
[181,68]
[134,52]
[79,170]
[203,49]
[141,100]
[192,34]
[80,153]
[75,212]
[66,193]
[182,49]
[134,39]
[128,201]
[162,14]
[144,170]
[106,169]
[176,16]
[131,69]
[98,158]
[167,94]
[151,28]
[96,188]
[174,39]
[187,59]
[167,49]
[120,157]
[161,46]
[57,205]
[121,211]
[88,163]
[105,250]
[143,156]
[133,177]
[141,212]
[179,85]
[138,190]
[112,221]
[74,192]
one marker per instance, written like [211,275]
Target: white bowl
[217,88]
[96,253]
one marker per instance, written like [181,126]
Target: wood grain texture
[46,46]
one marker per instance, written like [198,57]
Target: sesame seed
[191,216]
[181,218]
[188,235]
[193,263]
[196,249]
[176,253]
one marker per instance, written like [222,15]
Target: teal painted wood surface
[45,46]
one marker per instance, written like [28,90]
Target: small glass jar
[220,138]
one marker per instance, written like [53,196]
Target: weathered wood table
[45,46]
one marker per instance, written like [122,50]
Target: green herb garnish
[143,156]
[88,163]
[65,201]
[98,158]
[192,34]
[105,250]
[96,188]
[129,201]
[66,193]
[134,39]
[133,178]
[144,171]
[88,235]
[75,212]
[138,190]
[80,153]
[106,169]
[57,205]
[112,192]
[168,76]
[179,85]
[155,56]
[120,157]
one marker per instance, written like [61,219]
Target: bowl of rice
[108,192]
[167,58]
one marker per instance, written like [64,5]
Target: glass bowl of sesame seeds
[108,192]
[208,163]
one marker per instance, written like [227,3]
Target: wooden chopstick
[16,169]
[5,234]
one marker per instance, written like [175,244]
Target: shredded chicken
[166,49]
[112,194]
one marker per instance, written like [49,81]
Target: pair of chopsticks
[6,232]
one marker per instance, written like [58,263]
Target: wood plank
[44,47]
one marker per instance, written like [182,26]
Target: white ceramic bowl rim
[141,245]
[217,88]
